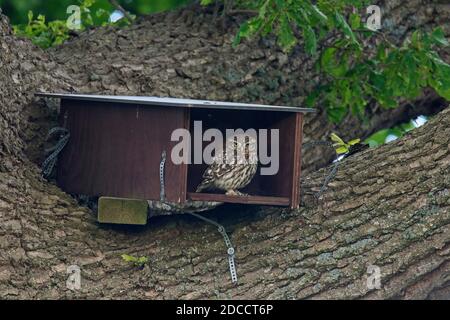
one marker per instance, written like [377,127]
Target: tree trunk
[388,207]
[184,54]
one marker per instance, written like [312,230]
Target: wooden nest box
[116,144]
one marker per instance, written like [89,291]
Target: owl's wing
[214,172]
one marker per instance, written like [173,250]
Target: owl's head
[243,148]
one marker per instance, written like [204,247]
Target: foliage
[17,10]
[353,73]
[137,262]
[47,34]
[385,135]
[140,7]
[43,34]
[355,78]
[357,66]
[93,13]
[341,146]
[311,20]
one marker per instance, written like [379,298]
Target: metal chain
[230,248]
[327,180]
[220,228]
[318,143]
[50,162]
[333,171]
[162,194]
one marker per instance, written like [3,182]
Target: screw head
[230,251]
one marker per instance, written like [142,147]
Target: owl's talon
[230,193]
[236,193]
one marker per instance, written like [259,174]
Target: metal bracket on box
[230,248]
[220,228]
[162,193]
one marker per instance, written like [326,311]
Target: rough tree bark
[184,54]
[388,207]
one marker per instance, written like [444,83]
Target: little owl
[234,168]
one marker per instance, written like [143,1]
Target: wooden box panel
[115,150]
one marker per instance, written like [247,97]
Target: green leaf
[342,23]
[30,16]
[312,98]
[335,138]
[330,64]
[416,38]
[327,56]
[347,95]
[142,260]
[354,141]
[336,114]
[310,40]
[342,150]
[441,79]
[438,36]
[41,18]
[327,59]
[437,60]
[263,9]
[443,92]
[206,2]
[381,52]
[355,21]
[139,262]
[248,29]
[378,138]
[286,37]
[280,3]
[128,258]
[319,14]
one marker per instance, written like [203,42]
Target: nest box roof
[174,102]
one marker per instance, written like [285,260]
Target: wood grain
[270,201]
[297,161]
[115,150]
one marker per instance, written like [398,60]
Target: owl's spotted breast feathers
[232,176]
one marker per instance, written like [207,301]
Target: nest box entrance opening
[273,189]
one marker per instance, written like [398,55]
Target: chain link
[50,162]
[328,178]
[309,144]
[220,228]
[333,171]
[162,194]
